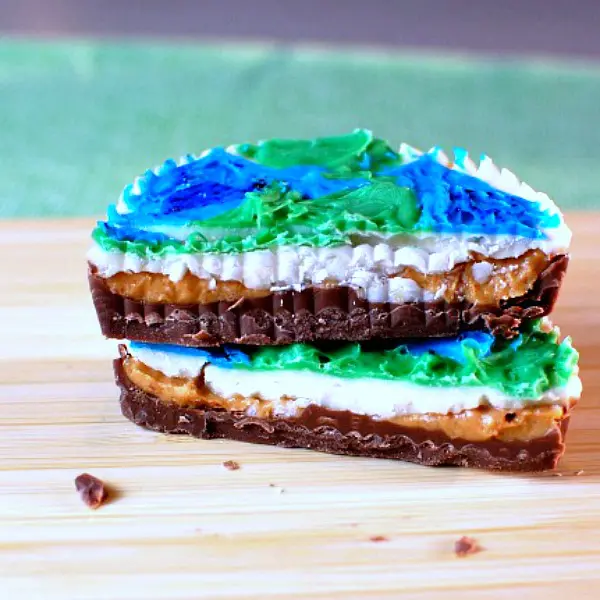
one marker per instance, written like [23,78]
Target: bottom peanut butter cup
[343,432]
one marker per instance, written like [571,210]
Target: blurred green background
[78,120]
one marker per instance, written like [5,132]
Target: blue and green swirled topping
[319,192]
[525,367]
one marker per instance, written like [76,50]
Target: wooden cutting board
[289,523]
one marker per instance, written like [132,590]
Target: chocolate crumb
[580,472]
[231,465]
[280,489]
[91,489]
[378,538]
[466,545]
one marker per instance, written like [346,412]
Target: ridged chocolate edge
[340,432]
[314,314]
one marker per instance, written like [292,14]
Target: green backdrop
[78,120]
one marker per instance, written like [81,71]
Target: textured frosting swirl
[525,367]
[319,193]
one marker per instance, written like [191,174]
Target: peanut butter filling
[158,288]
[474,425]
[508,278]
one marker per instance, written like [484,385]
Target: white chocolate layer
[365,266]
[377,398]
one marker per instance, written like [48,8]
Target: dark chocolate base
[340,432]
[315,314]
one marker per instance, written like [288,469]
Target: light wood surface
[185,527]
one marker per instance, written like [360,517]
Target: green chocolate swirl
[525,368]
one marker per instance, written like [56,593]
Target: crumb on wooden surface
[231,465]
[93,491]
[378,538]
[466,545]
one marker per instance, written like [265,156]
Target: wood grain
[183,526]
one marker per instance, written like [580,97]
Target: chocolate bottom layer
[315,314]
[340,432]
